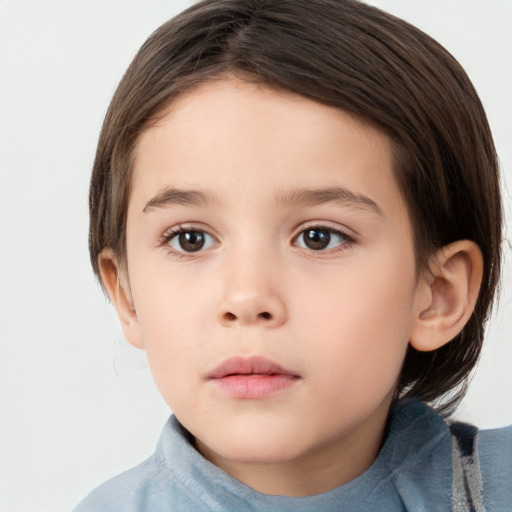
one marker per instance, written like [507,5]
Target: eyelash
[347,244]
[171,234]
[176,231]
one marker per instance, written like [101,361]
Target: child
[295,210]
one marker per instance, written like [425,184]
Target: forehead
[264,141]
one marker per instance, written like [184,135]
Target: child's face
[264,224]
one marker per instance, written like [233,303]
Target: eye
[190,240]
[321,238]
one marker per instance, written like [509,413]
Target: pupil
[191,241]
[317,239]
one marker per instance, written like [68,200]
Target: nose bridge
[251,290]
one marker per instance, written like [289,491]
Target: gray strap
[467,481]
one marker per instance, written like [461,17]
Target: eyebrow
[340,195]
[175,197]
[299,198]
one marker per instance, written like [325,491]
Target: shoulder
[496,444]
[427,454]
[495,455]
[123,492]
[482,467]
[157,484]
[149,486]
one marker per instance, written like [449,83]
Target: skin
[339,318]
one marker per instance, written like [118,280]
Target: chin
[256,447]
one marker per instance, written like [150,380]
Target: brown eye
[318,239]
[191,241]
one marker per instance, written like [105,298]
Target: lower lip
[254,386]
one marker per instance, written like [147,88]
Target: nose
[251,298]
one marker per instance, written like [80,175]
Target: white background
[68,418]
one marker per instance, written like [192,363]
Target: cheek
[363,297]
[174,328]
[361,322]
[170,303]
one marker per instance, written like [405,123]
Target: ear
[115,282]
[446,295]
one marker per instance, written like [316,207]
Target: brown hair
[352,56]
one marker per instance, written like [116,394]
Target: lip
[254,377]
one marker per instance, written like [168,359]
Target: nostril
[230,318]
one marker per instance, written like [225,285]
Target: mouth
[253,377]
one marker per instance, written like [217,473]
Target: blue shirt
[413,472]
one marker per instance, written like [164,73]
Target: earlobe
[447,295]
[117,287]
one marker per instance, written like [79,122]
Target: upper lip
[248,365]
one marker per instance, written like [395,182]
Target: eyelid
[344,233]
[170,233]
[184,227]
[328,225]
[348,234]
